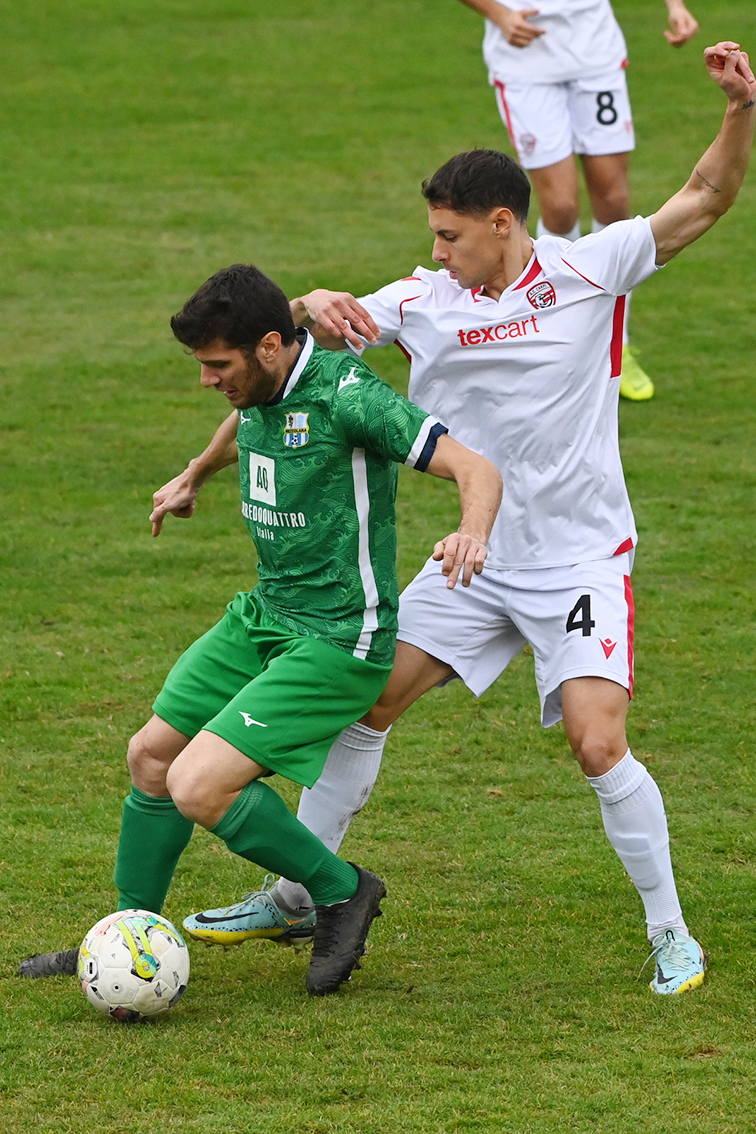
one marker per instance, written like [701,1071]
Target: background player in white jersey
[559,75]
[520,344]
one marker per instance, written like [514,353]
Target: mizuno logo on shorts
[248,720]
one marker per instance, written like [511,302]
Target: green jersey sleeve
[374,417]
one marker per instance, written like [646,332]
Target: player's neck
[288,355]
[515,256]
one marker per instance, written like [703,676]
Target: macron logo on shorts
[248,720]
[607,645]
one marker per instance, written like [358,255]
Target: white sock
[573,234]
[597,226]
[339,794]
[636,826]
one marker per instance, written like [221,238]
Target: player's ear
[268,347]
[502,221]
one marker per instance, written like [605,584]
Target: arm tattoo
[712,187]
[748,105]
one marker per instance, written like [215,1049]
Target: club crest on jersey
[541,295]
[296,430]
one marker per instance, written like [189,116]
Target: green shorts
[279,697]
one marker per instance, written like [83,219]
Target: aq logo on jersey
[296,430]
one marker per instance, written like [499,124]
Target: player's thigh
[211,672]
[580,623]
[287,717]
[537,118]
[467,628]
[207,775]
[599,110]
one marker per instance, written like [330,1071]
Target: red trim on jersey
[405,278]
[628,545]
[535,270]
[401,305]
[405,352]
[624,62]
[577,273]
[618,324]
[475,292]
[630,632]
[505,111]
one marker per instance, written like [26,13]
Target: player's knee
[147,767]
[614,205]
[378,718]
[192,794]
[560,214]
[597,751]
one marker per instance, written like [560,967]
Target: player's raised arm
[515,25]
[178,495]
[334,318]
[714,183]
[479,482]
[684,25]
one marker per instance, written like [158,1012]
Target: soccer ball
[133,965]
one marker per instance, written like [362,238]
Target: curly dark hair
[236,306]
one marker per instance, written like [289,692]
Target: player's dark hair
[237,306]
[478,181]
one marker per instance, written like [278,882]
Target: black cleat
[50,964]
[341,930]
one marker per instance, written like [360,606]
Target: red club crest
[541,295]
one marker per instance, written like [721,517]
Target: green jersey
[318,480]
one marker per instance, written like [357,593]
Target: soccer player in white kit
[558,71]
[519,345]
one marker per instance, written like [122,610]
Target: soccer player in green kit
[310,649]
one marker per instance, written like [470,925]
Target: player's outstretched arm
[479,482]
[178,495]
[515,26]
[714,183]
[684,25]
[334,318]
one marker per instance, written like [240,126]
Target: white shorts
[549,121]
[579,621]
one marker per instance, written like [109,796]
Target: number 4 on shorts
[579,617]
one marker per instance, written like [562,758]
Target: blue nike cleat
[680,963]
[257,916]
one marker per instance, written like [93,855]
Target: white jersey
[531,381]
[581,40]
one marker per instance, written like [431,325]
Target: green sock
[259,826]
[153,835]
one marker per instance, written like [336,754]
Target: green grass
[144,146]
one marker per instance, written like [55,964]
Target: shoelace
[252,896]
[669,953]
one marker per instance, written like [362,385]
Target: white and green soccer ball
[133,965]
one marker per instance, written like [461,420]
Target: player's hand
[730,69]
[517,31]
[340,315]
[177,497]
[461,554]
[684,26]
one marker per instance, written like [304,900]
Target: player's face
[243,381]
[467,246]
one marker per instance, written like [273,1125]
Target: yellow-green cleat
[635,384]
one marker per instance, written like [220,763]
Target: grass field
[144,146]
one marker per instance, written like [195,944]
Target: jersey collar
[306,347]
